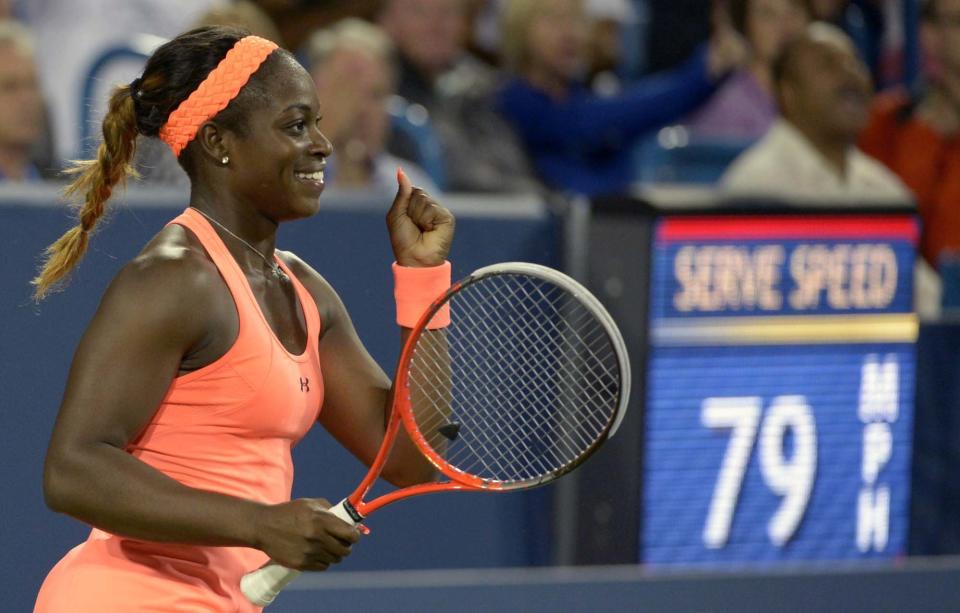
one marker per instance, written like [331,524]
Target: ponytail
[94,183]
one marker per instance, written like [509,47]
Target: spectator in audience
[578,141]
[428,35]
[480,151]
[351,64]
[916,135]
[71,36]
[744,107]
[21,104]
[823,91]
[810,154]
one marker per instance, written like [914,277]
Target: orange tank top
[229,427]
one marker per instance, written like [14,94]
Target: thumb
[402,199]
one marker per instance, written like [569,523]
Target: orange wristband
[415,289]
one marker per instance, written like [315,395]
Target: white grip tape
[262,585]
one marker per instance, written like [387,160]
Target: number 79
[791,478]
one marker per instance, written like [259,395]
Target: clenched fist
[421,230]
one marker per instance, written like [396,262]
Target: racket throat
[352,512]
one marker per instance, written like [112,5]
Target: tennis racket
[527,381]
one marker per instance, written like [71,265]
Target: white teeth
[313,176]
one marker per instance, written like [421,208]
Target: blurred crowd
[812,99]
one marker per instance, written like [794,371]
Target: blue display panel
[780,390]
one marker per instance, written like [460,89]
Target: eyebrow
[306,108]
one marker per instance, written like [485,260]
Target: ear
[214,141]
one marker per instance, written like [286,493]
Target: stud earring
[225,160]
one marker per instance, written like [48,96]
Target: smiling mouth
[315,177]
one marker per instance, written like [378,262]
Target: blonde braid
[94,184]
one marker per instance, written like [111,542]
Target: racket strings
[588,341]
[599,334]
[526,374]
[586,316]
[539,332]
[538,386]
[430,425]
[483,438]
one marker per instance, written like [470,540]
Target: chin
[300,208]
[304,208]
[305,202]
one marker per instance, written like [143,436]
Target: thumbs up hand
[421,231]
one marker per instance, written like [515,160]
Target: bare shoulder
[171,283]
[175,260]
[328,302]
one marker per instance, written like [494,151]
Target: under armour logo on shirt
[304,384]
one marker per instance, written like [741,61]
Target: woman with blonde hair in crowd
[580,142]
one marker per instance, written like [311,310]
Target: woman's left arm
[357,393]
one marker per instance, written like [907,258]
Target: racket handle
[262,585]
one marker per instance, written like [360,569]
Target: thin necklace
[274,267]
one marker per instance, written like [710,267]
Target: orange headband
[216,91]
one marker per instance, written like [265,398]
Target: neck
[242,220]
[556,86]
[833,149]
[14,162]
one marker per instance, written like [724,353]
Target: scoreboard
[779,389]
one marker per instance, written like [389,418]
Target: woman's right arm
[154,313]
[589,122]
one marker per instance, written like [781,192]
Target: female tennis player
[212,352]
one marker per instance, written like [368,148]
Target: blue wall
[347,242]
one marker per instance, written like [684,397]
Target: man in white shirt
[824,91]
